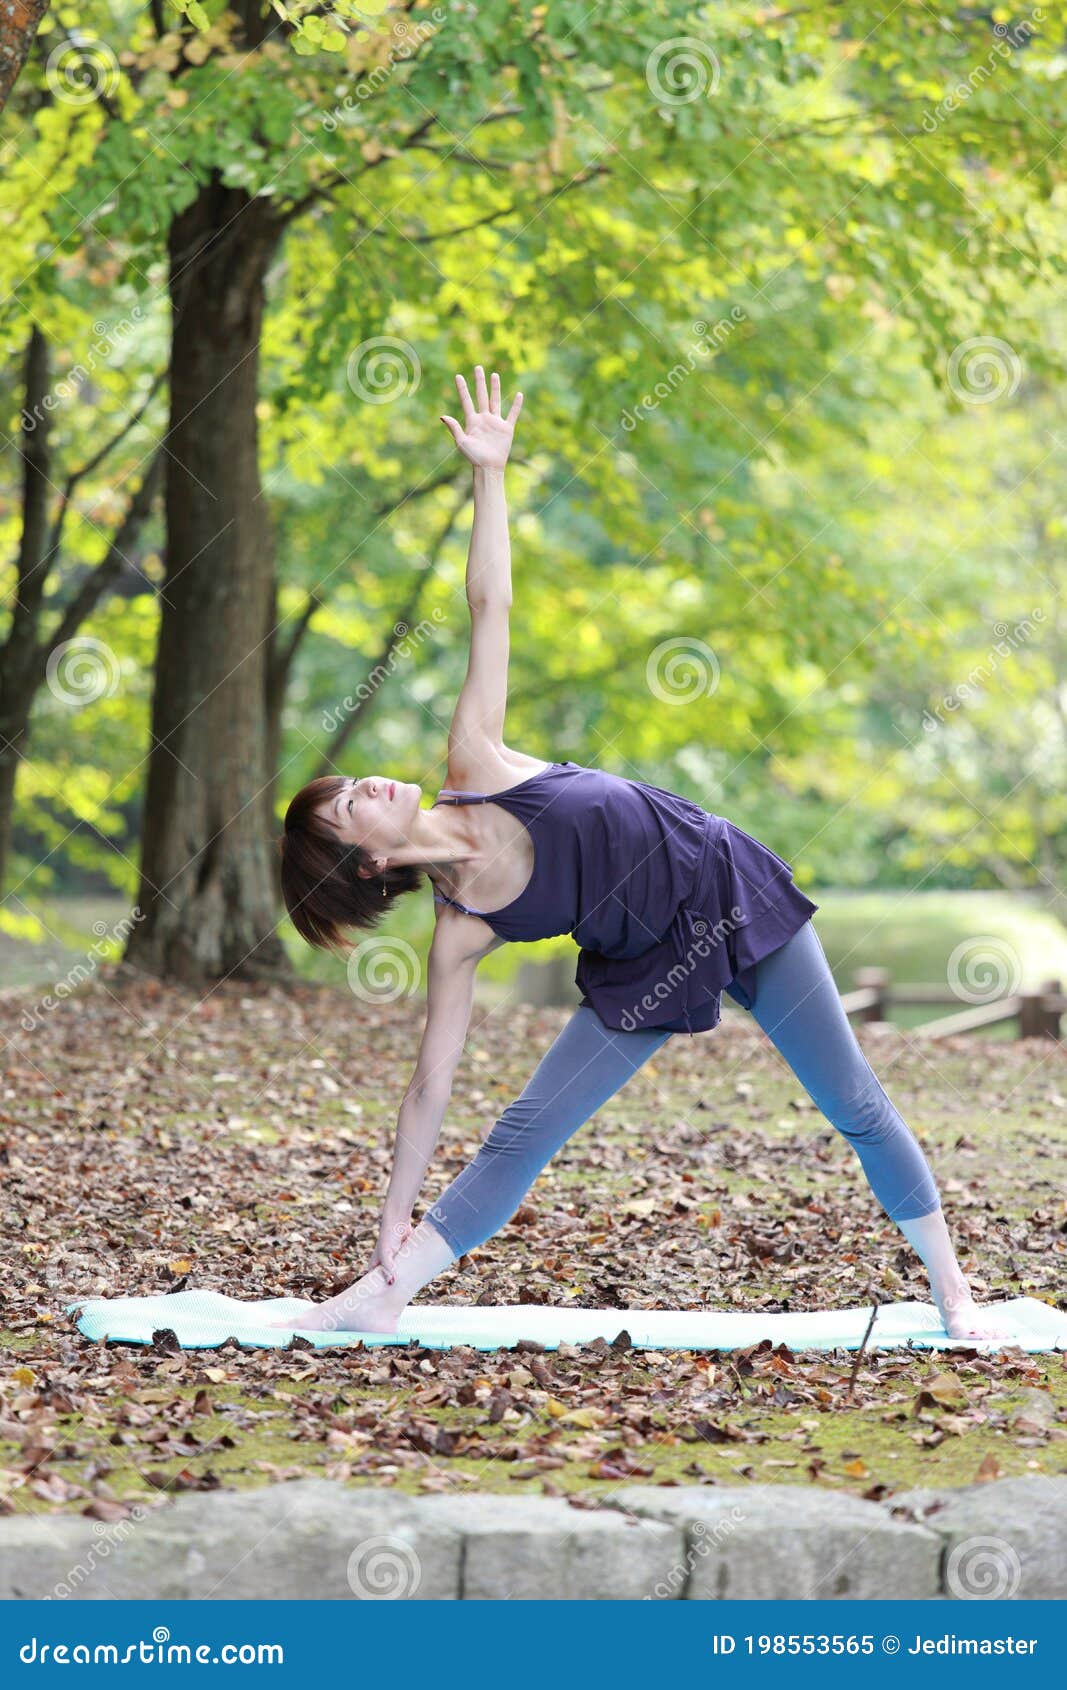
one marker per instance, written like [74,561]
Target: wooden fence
[1037,1013]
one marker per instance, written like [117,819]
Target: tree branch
[281,663]
[464,228]
[499,166]
[110,566]
[282,660]
[36,455]
[404,619]
[95,461]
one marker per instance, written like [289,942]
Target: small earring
[383,888]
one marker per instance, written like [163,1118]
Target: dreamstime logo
[709,338]
[1008,642]
[983,1569]
[102,947]
[380,970]
[703,1541]
[82,670]
[984,369]
[1009,37]
[107,339]
[107,1536]
[681,70]
[984,969]
[159,1651]
[384,1569]
[372,1288]
[383,369]
[80,71]
[406,38]
[705,938]
[408,640]
[681,670]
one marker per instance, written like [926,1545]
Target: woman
[670,905]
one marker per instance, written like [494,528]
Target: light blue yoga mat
[201,1320]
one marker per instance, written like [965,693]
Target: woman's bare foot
[967,1320]
[366,1306]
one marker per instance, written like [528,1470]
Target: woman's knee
[862,1113]
[523,1124]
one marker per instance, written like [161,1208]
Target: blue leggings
[797,1005]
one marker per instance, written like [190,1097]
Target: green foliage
[731,279]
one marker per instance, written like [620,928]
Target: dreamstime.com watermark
[706,938]
[80,671]
[382,369]
[106,341]
[983,369]
[1009,37]
[409,639]
[155,1651]
[704,1540]
[372,1288]
[99,951]
[1008,642]
[382,969]
[708,339]
[983,1569]
[984,969]
[408,35]
[682,670]
[384,1569]
[107,1536]
[681,70]
[81,69]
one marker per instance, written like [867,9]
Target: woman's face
[373,811]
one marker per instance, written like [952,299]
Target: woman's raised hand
[484,436]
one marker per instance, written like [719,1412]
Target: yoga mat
[201,1320]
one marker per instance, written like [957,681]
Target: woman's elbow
[431,1090]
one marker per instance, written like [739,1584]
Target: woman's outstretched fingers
[480,389]
[454,428]
[516,407]
[494,394]
[465,399]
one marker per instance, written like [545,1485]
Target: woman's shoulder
[488,767]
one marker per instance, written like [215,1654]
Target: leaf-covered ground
[151,1139]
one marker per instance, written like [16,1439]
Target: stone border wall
[316,1539]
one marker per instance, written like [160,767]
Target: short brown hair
[322,890]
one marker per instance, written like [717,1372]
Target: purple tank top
[667,902]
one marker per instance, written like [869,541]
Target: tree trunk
[276,678]
[19,21]
[18,678]
[25,653]
[14,719]
[207,882]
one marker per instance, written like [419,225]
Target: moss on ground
[947,1428]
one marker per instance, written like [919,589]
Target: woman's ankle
[952,1298]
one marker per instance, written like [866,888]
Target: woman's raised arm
[484,437]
